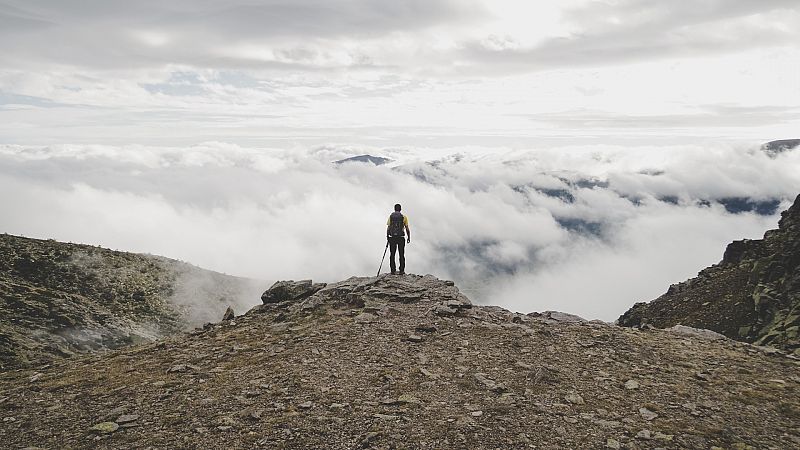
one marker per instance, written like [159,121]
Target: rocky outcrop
[288,291]
[372,363]
[58,300]
[753,294]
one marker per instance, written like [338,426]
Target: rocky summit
[752,295]
[59,299]
[408,362]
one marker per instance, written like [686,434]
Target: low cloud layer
[587,230]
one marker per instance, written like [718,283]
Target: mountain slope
[753,294]
[57,299]
[407,363]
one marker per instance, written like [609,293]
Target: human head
[397,207]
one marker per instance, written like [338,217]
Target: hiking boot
[402,272]
[393,272]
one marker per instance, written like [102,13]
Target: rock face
[59,299]
[752,295]
[370,363]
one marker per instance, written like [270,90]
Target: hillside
[753,294]
[408,363]
[58,299]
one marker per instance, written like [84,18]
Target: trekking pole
[384,257]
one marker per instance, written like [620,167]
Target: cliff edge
[752,295]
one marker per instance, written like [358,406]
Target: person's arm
[388,223]
[408,231]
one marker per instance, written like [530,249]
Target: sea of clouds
[583,229]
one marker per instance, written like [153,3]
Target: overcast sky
[387,72]
[572,155]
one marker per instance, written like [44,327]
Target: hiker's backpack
[396,224]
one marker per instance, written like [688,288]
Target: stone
[425,328]
[105,428]
[414,338]
[607,423]
[631,384]
[647,414]
[613,444]
[556,316]
[126,418]
[444,310]
[476,413]
[283,291]
[702,376]
[488,383]
[229,315]
[644,434]
[697,332]
[428,373]
[305,405]
[458,304]
[575,399]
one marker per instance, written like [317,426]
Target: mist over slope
[59,299]
[583,229]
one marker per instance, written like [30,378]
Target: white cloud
[581,229]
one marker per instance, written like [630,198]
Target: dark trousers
[395,243]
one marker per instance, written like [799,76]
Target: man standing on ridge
[397,238]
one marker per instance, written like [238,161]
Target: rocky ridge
[752,295]
[775,148]
[59,299]
[407,362]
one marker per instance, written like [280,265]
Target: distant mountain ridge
[774,148]
[753,294]
[59,299]
[376,160]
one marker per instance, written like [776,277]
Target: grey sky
[408,72]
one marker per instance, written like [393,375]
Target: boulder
[284,291]
[556,316]
[228,314]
